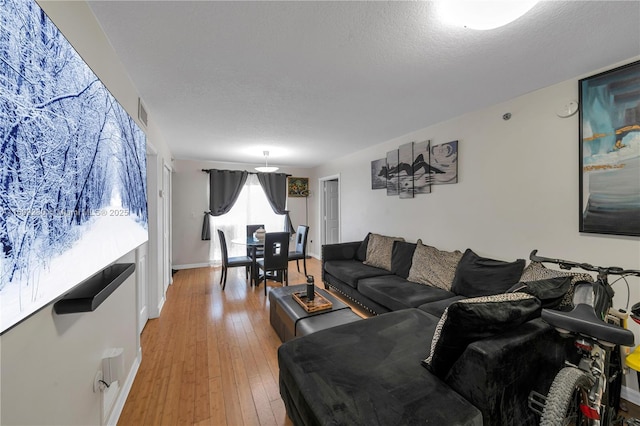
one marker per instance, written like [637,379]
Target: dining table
[253,244]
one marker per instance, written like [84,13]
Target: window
[251,207]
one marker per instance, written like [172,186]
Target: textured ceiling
[312,81]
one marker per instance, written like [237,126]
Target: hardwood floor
[210,359]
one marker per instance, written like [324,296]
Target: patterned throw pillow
[466,321]
[536,271]
[379,251]
[434,267]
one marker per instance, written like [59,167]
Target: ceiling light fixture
[483,15]
[266,168]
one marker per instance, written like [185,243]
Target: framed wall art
[297,186]
[421,169]
[379,174]
[444,163]
[405,170]
[609,105]
[392,173]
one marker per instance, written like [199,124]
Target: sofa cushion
[537,271]
[361,253]
[401,258]
[379,251]
[438,307]
[434,267]
[468,320]
[368,373]
[550,291]
[396,293]
[351,271]
[480,276]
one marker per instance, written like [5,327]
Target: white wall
[191,200]
[517,190]
[48,362]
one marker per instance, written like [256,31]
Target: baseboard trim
[193,265]
[630,395]
[118,406]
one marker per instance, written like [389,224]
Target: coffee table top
[284,297]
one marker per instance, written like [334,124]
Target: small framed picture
[297,186]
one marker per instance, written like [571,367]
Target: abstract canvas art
[379,174]
[421,169]
[392,173]
[405,170]
[444,163]
[610,151]
[72,167]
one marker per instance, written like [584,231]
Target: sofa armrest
[496,374]
[340,251]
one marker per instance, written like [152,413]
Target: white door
[331,211]
[166,227]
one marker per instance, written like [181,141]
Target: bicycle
[587,393]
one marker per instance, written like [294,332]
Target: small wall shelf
[89,294]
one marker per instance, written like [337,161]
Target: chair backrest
[301,239]
[253,228]
[223,247]
[276,250]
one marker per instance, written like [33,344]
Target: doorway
[330,210]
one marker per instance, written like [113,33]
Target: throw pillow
[466,321]
[481,276]
[550,291]
[401,257]
[379,251]
[537,271]
[434,267]
[361,253]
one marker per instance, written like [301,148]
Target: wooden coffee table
[289,319]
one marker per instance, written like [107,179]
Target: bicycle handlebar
[567,264]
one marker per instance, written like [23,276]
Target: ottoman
[290,320]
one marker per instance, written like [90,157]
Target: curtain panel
[224,188]
[275,187]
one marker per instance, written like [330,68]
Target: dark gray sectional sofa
[375,289]
[372,372]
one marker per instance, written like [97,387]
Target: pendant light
[266,168]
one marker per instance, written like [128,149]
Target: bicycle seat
[583,320]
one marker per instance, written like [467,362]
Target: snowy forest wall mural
[72,167]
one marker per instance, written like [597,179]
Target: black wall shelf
[89,294]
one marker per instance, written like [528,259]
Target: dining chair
[276,257]
[231,262]
[258,252]
[300,251]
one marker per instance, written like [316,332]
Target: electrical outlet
[97,384]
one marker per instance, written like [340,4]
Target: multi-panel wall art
[72,167]
[414,167]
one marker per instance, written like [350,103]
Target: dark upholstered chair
[231,262]
[250,230]
[300,251]
[276,257]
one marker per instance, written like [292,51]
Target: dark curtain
[224,188]
[275,187]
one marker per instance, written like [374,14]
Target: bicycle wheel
[568,389]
